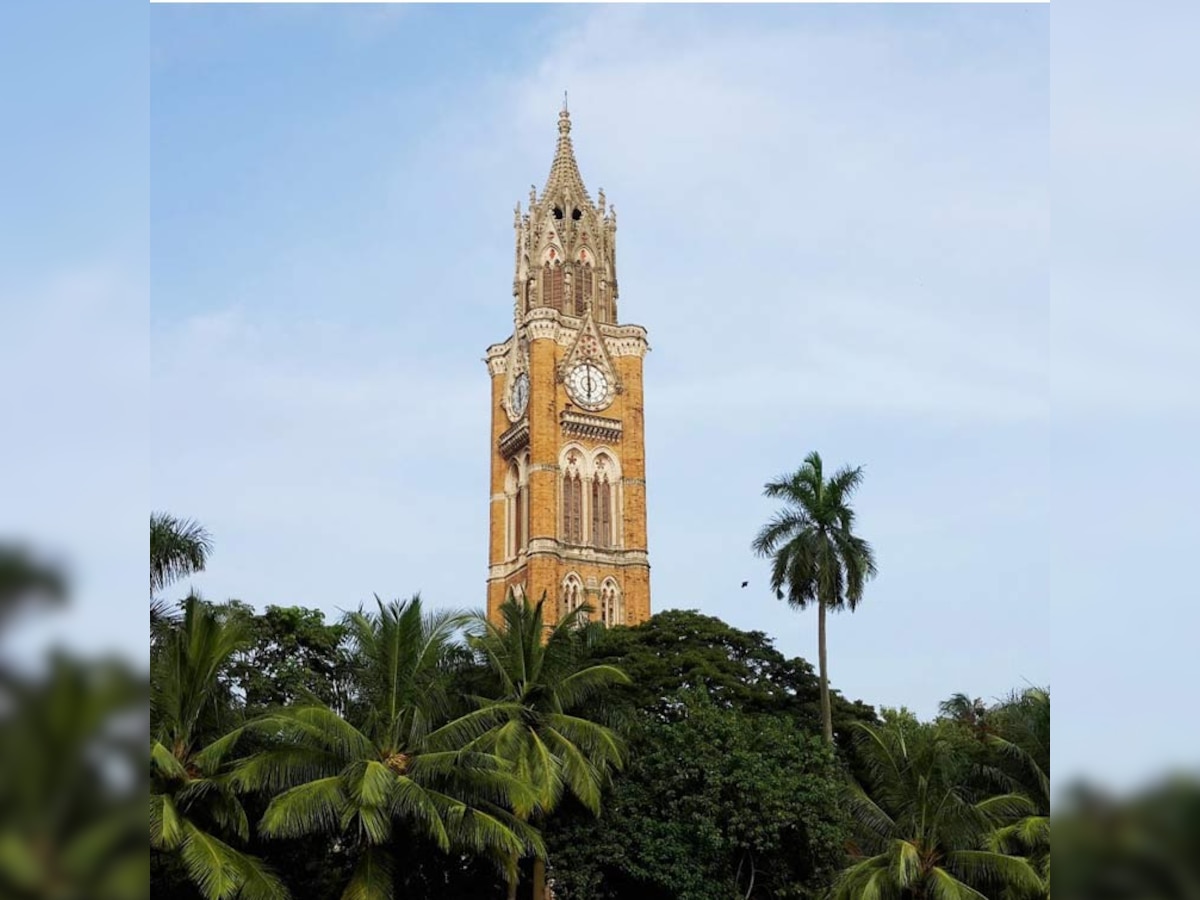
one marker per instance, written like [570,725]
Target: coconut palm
[178,548]
[194,811]
[28,582]
[402,765]
[1021,743]
[971,713]
[816,556]
[921,832]
[540,675]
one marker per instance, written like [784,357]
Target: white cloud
[837,237]
[808,217]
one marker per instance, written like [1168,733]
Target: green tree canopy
[716,803]
[293,655]
[678,650]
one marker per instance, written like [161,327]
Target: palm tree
[816,556]
[1021,742]
[541,677]
[28,582]
[403,763]
[178,548]
[972,714]
[191,799]
[921,833]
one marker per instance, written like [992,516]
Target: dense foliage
[401,752]
[717,803]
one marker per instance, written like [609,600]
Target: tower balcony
[515,438]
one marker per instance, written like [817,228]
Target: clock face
[588,386]
[519,398]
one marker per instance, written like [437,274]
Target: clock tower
[568,499]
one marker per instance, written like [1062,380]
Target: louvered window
[552,286]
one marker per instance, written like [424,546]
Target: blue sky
[834,223]
[320,176]
[74,290]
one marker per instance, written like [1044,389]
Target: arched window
[573,507]
[602,504]
[552,285]
[572,594]
[612,609]
[583,286]
[571,494]
[518,500]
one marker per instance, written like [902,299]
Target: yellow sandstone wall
[544,572]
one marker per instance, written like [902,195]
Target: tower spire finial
[564,171]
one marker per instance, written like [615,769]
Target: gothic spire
[564,171]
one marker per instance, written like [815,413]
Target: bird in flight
[744,583]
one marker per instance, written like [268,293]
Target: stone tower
[568,500]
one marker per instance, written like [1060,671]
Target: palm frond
[258,882]
[997,870]
[1031,833]
[1005,807]
[218,802]
[278,769]
[219,872]
[372,878]
[906,864]
[314,807]
[867,877]
[316,727]
[164,764]
[166,825]
[178,547]
[944,886]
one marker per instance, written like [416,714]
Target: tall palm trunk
[539,878]
[516,880]
[826,711]
[537,881]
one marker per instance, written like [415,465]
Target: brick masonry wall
[545,572]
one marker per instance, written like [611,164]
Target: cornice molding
[583,424]
[541,323]
[496,357]
[549,547]
[544,323]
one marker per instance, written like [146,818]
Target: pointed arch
[572,464]
[512,489]
[528,291]
[612,603]
[605,499]
[600,308]
[553,279]
[572,594]
[516,492]
[583,282]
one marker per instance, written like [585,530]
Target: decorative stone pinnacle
[564,171]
